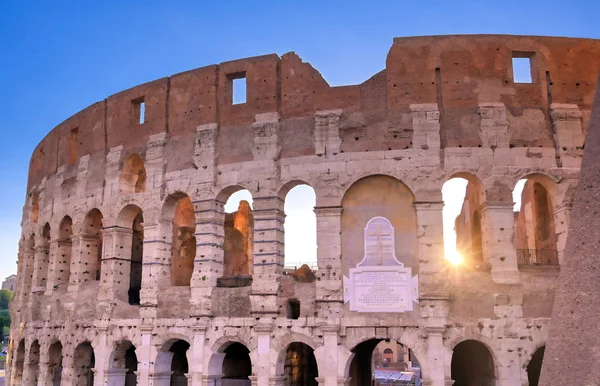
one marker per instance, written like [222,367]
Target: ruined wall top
[457,72]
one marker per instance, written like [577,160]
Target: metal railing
[537,257]
[295,265]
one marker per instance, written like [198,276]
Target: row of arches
[535,230]
[372,361]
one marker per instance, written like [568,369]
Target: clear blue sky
[61,56]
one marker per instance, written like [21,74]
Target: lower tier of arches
[265,353]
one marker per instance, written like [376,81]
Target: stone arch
[60,265]
[466,226]
[131,218]
[84,362]
[383,196]
[238,238]
[19,363]
[33,363]
[123,363]
[91,244]
[133,175]
[535,229]
[472,363]
[362,176]
[230,358]
[55,362]
[299,364]
[364,355]
[178,220]
[299,200]
[171,358]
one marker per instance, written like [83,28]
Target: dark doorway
[535,366]
[179,364]
[472,364]
[237,366]
[300,365]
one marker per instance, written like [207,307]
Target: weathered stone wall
[443,107]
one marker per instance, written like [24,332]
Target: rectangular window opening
[522,68]
[238,84]
[140,110]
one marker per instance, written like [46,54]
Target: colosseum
[130,271]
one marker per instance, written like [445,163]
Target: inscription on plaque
[380,283]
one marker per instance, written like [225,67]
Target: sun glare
[454,258]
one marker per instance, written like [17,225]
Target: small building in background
[10,283]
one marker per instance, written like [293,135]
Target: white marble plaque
[380,283]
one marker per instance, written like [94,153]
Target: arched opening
[42,256]
[19,363]
[378,196]
[238,245]
[55,363]
[293,309]
[33,363]
[300,237]
[237,366]
[83,366]
[535,233]
[183,246]
[137,253]
[91,245]
[376,361]
[62,261]
[534,367]
[472,364]
[35,207]
[124,359]
[133,175]
[300,367]
[179,363]
[463,241]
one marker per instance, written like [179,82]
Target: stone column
[155,268]
[60,265]
[268,254]
[40,268]
[26,264]
[101,359]
[145,353]
[208,264]
[84,260]
[329,291]
[262,367]
[196,356]
[509,363]
[68,371]
[46,374]
[327,356]
[562,220]
[430,247]
[116,264]
[497,223]
[435,355]
[30,370]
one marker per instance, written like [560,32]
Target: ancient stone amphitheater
[130,272]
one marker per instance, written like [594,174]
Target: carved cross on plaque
[379,243]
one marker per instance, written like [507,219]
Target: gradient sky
[59,57]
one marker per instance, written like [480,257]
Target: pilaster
[426,126]
[40,268]
[262,367]
[268,254]
[208,264]
[205,151]
[155,266]
[154,162]
[497,223]
[327,132]
[266,137]
[196,356]
[329,291]
[430,247]
[327,355]
[60,265]
[494,125]
[562,221]
[116,264]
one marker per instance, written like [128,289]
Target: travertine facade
[109,277]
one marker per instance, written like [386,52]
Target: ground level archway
[472,364]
